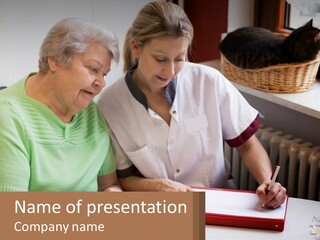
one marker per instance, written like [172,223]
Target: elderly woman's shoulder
[12,92]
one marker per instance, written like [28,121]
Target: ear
[53,64]
[135,48]
[310,23]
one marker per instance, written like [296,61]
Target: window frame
[270,14]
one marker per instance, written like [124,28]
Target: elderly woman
[52,136]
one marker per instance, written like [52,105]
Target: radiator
[299,161]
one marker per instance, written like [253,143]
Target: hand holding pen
[273,177]
[271,193]
[273,180]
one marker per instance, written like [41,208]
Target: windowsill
[306,102]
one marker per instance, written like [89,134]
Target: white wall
[240,14]
[24,24]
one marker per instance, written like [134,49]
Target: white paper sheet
[239,203]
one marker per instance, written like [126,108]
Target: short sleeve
[237,115]
[110,165]
[246,134]
[14,159]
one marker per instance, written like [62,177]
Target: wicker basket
[282,78]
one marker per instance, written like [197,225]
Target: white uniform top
[206,109]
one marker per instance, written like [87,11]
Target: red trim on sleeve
[246,134]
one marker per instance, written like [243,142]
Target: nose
[100,79]
[169,69]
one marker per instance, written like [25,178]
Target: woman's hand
[274,197]
[135,183]
[109,183]
[113,188]
[167,185]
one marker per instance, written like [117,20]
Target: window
[270,14]
[283,16]
[299,12]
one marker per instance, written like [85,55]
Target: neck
[144,87]
[39,87]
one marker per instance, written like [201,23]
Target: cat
[255,47]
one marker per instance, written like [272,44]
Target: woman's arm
[135,183]
[256,159]
[14,162]
[109,183]
[258,163]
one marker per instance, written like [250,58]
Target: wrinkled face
[78,83]
[160,60]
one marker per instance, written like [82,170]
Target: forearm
[256,159]
[134,183]
[258,163]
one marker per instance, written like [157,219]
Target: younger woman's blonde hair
[156,19]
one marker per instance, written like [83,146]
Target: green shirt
[38,152]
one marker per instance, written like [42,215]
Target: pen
[273,179]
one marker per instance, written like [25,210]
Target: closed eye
[94,70]
[180,60]
[160,59]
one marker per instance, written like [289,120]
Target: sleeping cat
[254,47]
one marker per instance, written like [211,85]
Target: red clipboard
[238,208]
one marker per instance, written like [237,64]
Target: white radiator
[299,161]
